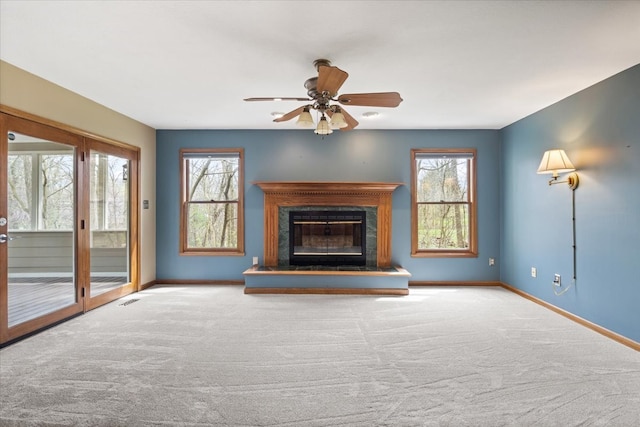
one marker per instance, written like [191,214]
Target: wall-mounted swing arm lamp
[556,162]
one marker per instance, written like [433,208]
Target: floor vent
[127,302]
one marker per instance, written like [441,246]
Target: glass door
[38,227]
[112,187]
[68,224]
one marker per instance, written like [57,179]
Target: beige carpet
[212,356]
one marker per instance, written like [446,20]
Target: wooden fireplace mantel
[300,187]
[301,193]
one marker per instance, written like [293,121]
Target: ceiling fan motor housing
[312,87]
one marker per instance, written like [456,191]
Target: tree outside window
[108,200]
[20,192]
[211,194]
[41,191]
[444,206]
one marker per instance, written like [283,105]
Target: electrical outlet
[556,280]
[255,260]
[492,261]
[534,272]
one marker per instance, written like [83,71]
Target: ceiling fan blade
[277,99]
[330,79]
[380,99]
[351,122]
[290,115]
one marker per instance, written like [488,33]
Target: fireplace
[348,196]
[327,238]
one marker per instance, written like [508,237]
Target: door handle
[4,238]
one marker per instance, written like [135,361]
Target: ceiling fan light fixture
[304,119]
[323,127]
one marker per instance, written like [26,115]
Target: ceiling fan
[322,91]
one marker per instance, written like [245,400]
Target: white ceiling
[189,64]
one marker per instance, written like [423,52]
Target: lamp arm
[572,180]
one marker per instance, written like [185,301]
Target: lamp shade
[337,120]
[323,127]
[304,119]
[555,161]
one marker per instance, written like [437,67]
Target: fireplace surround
[317,195]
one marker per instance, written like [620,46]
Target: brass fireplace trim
[297,193]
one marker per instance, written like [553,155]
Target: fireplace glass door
[327,238]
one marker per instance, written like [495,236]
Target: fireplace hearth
[327,238]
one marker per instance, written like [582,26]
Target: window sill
[210,252]
[444,254]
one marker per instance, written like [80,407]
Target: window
[443,196]
[41,191]
[108,200]
[212,202]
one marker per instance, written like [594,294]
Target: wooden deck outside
[33,297]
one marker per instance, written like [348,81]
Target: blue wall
[599,128]
[300,155]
